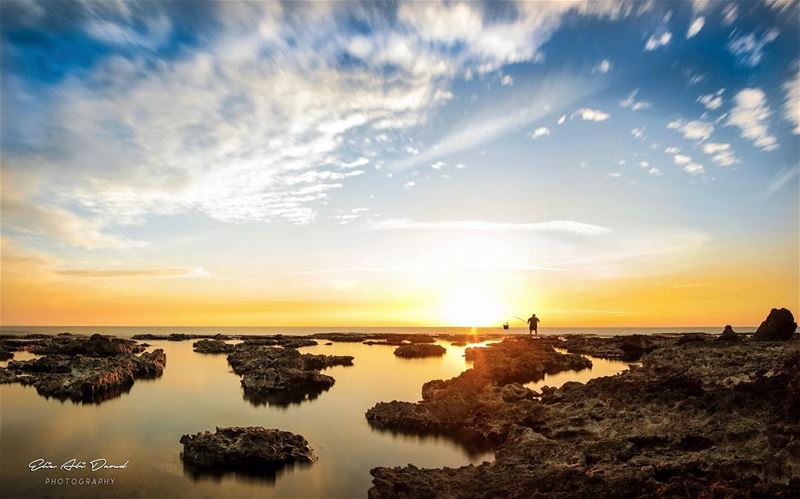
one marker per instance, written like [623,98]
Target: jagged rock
[475,403]
[248,448]
[280,374]
[728,334]
[212,346]
[95,346]
[702,419]
[416,350]
[778,326]
[5,354]
[82,378]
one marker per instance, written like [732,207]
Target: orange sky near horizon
[31,294]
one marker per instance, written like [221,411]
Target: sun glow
[472,307]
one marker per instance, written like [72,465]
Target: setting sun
[473,307]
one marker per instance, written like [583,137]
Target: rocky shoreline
[708,417]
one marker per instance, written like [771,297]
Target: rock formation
[83,378]
[251,449]
[704,418]
[212,346]
[278,375]
[778,326]
[417,350]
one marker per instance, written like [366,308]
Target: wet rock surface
[95,345]
[778,326]
[698,419]
[418,350]
[83,378]
[279,376]
[474,403]
[212,346]
[250,449]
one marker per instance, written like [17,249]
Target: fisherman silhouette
[533,325]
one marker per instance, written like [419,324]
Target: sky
[397,163]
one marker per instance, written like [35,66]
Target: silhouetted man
[533,325]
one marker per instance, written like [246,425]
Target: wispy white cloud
[631,103]
[540,132]
[721,153]
[688,164]
[588,114]
[507,81]
[164,272]
[749,48]
[695,27]
[693,130]
[750,114]
[553,226]
[654,42]
[603,66]
[712,101]
[791,105]
[781,179]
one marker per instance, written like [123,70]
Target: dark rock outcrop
[212,346]
[778,326]
[83,378]
[276,375]
[475,403]
[5,354]
[417,350]
[702,419]
[728,334]
[95,346]
[250,449]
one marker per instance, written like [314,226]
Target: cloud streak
[552,226]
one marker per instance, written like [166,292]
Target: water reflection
[261,475]
[199,392]
[283,399]
[600,368]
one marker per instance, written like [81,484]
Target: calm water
[198,392]
[127,331]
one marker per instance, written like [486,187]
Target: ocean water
[199,392]
[128,331]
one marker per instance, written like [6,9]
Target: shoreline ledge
[707,416]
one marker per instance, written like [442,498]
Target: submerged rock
[778,326]
[250,448]
[212,346]
[82,378]
[700,419]
[283,372]
[416,350]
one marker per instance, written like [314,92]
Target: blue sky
[335,149]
